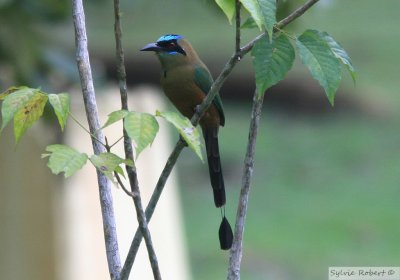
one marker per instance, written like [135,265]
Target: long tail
[217,182]
[214,165]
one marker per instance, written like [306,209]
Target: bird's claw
[183,140]
[197,109]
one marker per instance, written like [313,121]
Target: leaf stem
[85,129]
[116,142]
[122,184]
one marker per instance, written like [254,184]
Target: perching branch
[132,175]
[89,98]
[216,86]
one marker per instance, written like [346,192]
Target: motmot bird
[186,81]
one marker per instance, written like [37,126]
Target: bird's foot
[183,140]
[197,109]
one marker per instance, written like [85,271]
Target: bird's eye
[167,44]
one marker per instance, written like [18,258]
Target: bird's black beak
[150,47]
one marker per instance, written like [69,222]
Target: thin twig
[236,251]
[216,86]
[89,98]
[116,142]
[131,171]
[116,175]
[122,184]
[85,129]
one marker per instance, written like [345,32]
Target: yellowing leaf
[14,102]
[10,90]
[26,116]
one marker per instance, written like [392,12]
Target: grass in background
[325,193]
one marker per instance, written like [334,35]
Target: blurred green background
[326,181]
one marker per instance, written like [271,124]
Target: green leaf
[60,103]
[324,66]
[64,159]
[185,128]
[14,102]
[249,23]
[228,7]
[340,53]
[263,13]
[271,61]
[115,116]
[119,170]
[254,10]
[107,163]
[268,11]
[26,116]
[142,128]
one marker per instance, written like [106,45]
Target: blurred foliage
[284,7]
[25,56]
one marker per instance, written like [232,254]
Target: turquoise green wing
[203,80]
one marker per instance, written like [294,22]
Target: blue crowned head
[166,45]
[169,38]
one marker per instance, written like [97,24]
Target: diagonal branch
[89,98]
[132,175]
[130,259]
[216,86]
